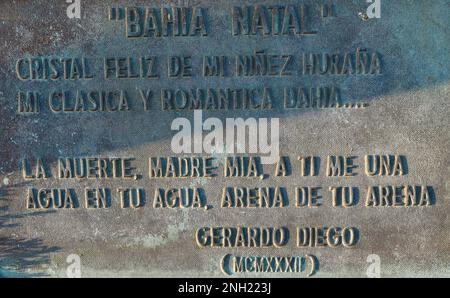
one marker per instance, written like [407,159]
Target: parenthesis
[313,260]
[222,265]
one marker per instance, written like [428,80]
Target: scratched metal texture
[408,114]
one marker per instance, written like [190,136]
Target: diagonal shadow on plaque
[20,257]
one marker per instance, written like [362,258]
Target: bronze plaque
[224,138]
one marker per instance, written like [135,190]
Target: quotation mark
[116,13]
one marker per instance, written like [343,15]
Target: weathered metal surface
[391,75]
